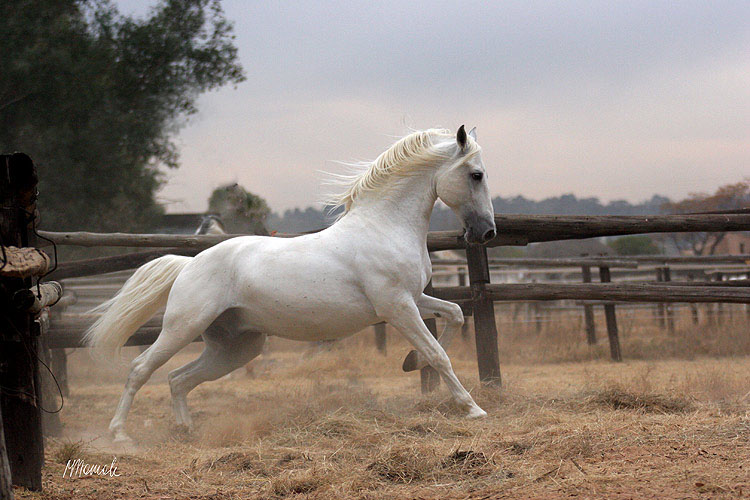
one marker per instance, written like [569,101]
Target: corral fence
[478,297]
[28,334]
[707,271]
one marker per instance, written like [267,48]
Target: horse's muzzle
[480,231]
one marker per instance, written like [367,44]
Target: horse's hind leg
[225,351]
[177,332]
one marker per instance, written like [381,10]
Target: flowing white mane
[407,156]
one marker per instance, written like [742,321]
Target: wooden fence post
[59,367]
[58,357]
[485,328]
[6,487]
[19,377]
[667,273]
[538,317]
[428,376]
[588,310]
[611,317]
[462,282]
[51,424]
[693,306]
[710,309]
[380,338]
[660,307]
[720,306]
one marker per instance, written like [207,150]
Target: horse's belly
[334,328]
[317,315]
[317,326]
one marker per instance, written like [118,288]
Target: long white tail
[137,301]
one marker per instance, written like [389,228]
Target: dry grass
[349,424]
[68,450]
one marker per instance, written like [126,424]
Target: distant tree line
[726,198]
[310,218]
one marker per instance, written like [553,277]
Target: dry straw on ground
[347,423]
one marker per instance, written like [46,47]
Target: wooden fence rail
[617,292]
[545,262]
[103,265]
[682,259]
[537,228]
[512,230]
[68,332]
[436,240]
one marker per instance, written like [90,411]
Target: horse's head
[462,185]
[211,224]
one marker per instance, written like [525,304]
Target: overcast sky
[618,100]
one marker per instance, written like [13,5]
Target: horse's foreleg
[430,307]
[406,318]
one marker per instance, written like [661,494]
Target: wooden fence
[479,296]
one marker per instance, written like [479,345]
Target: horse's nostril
[489,235]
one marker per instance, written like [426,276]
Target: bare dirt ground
[672,421]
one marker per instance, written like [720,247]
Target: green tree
[239,210]
[634,245]
[95,98]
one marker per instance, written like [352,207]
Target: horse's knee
[173,378]
[179,383]
[455,315]
[139,374]
[439,361]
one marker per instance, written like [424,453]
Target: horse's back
[301,288]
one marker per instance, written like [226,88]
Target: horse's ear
[461,137]
[473,133]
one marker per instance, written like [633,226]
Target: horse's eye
[477,176]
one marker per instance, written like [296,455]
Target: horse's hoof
[123,439]
[182,429]
[410,362]
[476,412]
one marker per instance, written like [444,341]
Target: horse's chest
[413,275]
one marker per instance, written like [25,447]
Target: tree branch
[13,101]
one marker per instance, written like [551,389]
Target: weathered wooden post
[719,276]
[715,311]
[485,328]
[667,274]
[693,305]
[538,319]
[59,358]
[428,376]
[462,282]
[6,487]
[19,376]
[588,309]
[380,338]
[51,424]
[611,317]
[660,307]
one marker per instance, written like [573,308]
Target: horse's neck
[402,206]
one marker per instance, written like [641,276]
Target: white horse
[372,265]
[211,224]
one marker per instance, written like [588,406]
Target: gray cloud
[611,99]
